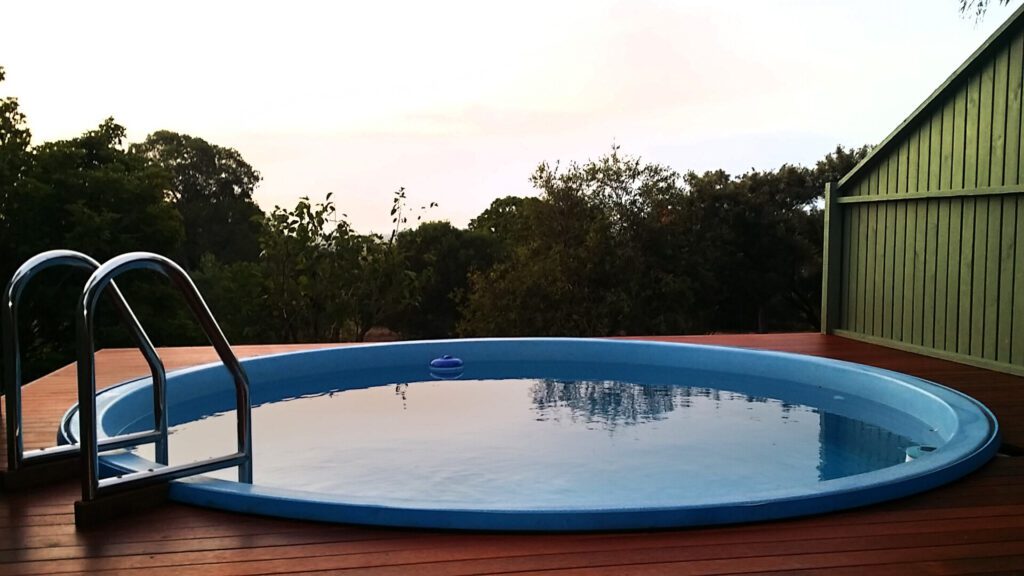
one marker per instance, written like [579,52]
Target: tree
[307,272]
[977,7]
[382,285]
[619,246]
[580,267]
[90,194]
[835,165]
[324,283]
[440,258]
[236,294]
[15,158]
[211,187]
[759,241]
[754,246]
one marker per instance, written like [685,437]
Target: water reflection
[847,446]
[612,403]
[400,391]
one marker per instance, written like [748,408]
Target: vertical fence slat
[853,212]
[1015,103]
[901,168]
[967,296]
[928,288]
[963,342]
[935,152]
[862,275]
[1007,257]
[887,288]
[946,139]
[847,270]
[953,274]
[925,136]
[883,178]
[982,217]
[941,271]
[921,207]
[930,253]
[992,265]
[978,278]
[1017,332]
[891,172]
[959,136]
[999,117]
[985,126]
[899,265]
[894,176]
[908,272]
[971,134]
[869,277]
[879,263]
[913,159]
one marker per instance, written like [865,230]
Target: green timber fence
[924,240]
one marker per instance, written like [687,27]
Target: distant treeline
[612,246]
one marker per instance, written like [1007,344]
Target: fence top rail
[962,193]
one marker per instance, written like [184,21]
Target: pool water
[557,443]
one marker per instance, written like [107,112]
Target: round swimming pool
[557,434]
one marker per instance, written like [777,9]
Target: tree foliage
[977,8]
[15,138]
[440,259]
[89,194]
[211,187]
[618,246]
[612,246]
[315,280]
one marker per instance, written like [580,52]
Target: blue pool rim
[970,431]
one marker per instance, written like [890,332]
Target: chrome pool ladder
[92,485]
[21,464]
[34,466]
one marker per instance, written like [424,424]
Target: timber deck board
[974,525]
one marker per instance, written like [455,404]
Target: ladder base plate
[40,474]
[93,512]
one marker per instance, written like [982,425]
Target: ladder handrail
[103,277]
[12,377]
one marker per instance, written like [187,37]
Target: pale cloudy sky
[459,101]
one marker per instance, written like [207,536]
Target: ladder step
[165,473]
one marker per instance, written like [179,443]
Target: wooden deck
[973,526]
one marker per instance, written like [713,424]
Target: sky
[458,101]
